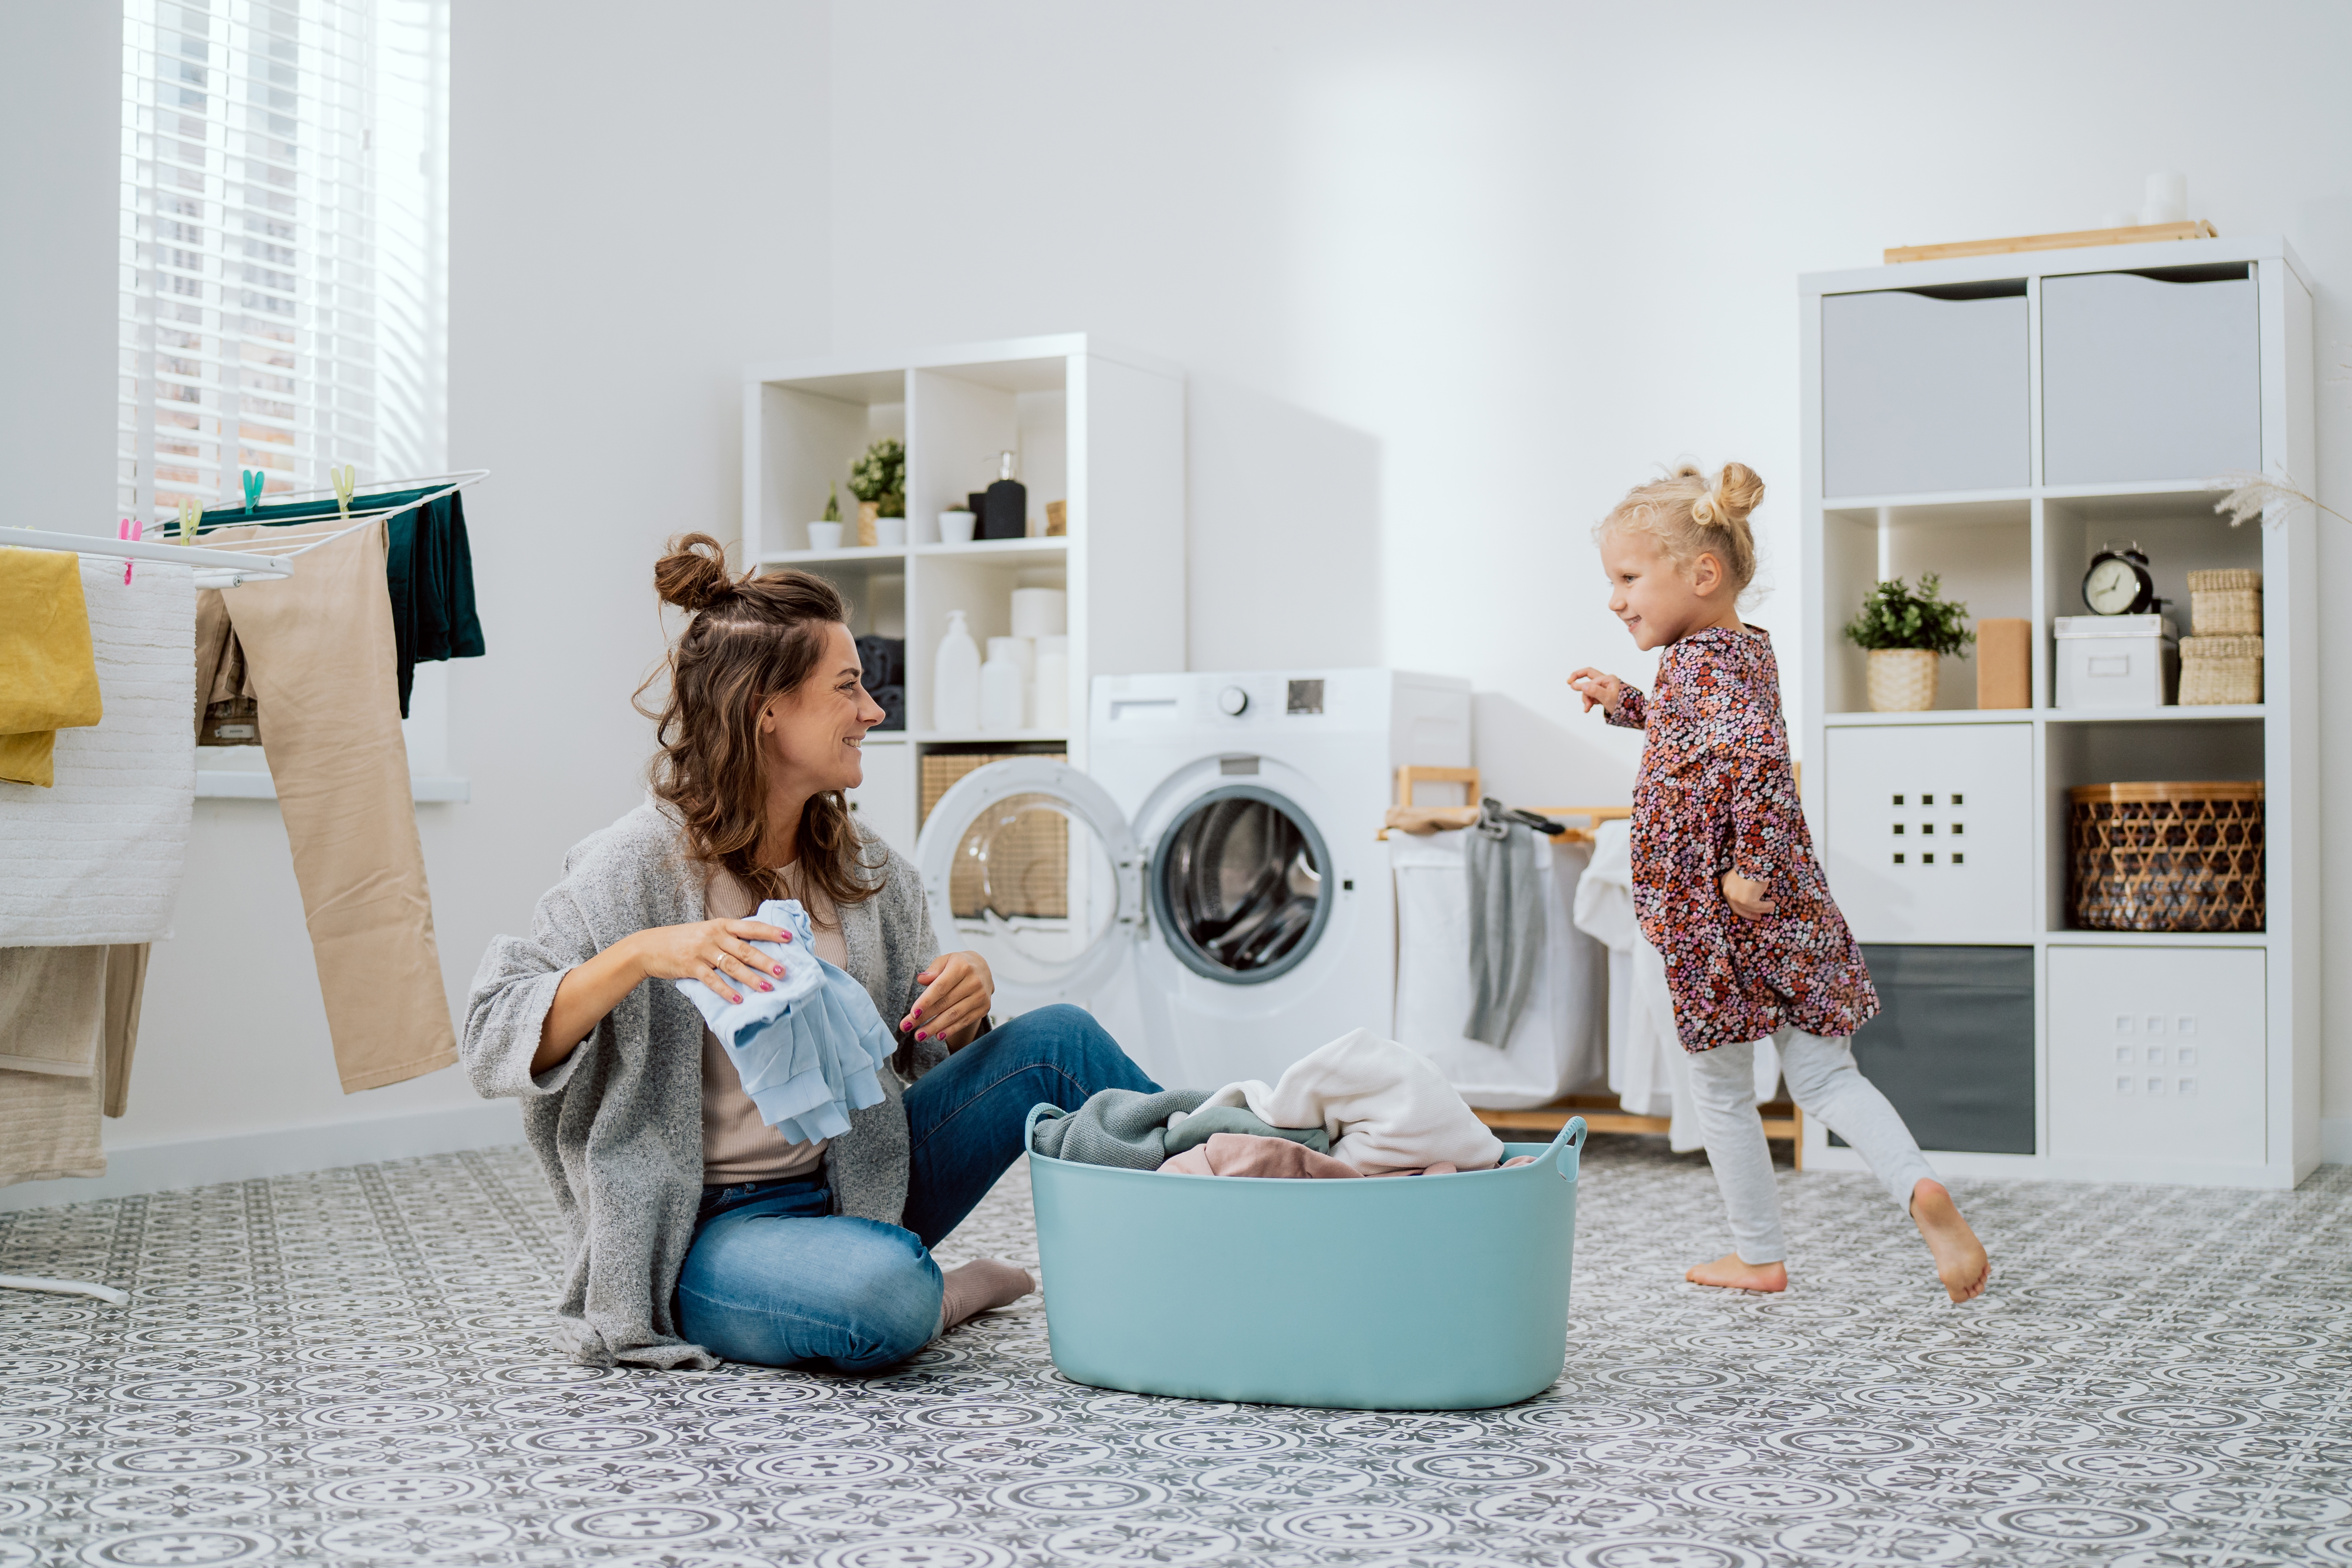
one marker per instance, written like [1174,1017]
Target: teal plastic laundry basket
[1400,1293]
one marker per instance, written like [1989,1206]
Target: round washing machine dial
[1233,702]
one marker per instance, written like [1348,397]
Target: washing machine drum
[1238,885]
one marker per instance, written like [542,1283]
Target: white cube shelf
[2154,369]
[1097,427]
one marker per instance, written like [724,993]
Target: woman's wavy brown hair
[751,639]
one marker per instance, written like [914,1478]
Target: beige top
[737,1146]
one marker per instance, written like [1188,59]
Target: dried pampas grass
[2250,495]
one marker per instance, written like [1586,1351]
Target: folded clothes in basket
[1386,1107]
[807,1051]
[1135,1131]
[1239,1154]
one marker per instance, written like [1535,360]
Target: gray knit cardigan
[617,1125]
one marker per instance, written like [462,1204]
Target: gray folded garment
[1126,1128]
[1200,1126]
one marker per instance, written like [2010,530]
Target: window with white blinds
[283,250]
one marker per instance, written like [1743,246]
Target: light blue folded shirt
[809,1051]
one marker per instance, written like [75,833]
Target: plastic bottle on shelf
[1005,508]
[1000,687]
[1050,706]
[955,679]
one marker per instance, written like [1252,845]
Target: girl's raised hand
[1598,687]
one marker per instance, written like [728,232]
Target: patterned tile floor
[346,1367]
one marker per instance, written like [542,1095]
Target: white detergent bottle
[1001,684]
[955,680]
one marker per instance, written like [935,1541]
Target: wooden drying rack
[1602,1112]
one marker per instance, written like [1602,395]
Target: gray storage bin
[2153,375]
[1926,391]
[1953,1048]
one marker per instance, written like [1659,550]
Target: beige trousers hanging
[70,1023]
[318,654]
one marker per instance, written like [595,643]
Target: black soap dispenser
[1005,511]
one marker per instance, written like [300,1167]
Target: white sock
[977,1286]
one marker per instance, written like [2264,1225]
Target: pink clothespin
[130,531]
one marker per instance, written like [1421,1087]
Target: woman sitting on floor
[699,1232]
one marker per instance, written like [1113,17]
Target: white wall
[1446,280]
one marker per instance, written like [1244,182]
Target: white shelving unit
[2186,1057]
[1096,426]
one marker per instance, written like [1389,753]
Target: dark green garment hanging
[428,572]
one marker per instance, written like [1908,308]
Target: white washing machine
[1212,889]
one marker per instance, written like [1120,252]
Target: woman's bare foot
[1729,1272]
[1960,1260]
[978,1286]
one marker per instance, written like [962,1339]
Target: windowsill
[242,783]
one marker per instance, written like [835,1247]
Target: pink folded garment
[1244,1154]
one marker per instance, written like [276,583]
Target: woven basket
[2168,857]
[1901,679]
[2221,669]
[2225,601]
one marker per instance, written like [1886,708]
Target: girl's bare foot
[1730,1272]
[1960,1260]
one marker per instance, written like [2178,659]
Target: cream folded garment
[1243,1154]
[1387,1109]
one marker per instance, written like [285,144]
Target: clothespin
[190,516]
[252,487]
[346,480]
[129,530]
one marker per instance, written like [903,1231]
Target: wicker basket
[2221,669]
[2168,857]
[1901,679]
[2226,602]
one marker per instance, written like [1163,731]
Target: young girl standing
[1726,886]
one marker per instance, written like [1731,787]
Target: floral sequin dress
[1717,793]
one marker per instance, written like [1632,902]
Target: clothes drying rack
[1783,1119]
[228,564]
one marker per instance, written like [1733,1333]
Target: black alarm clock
[2118,583]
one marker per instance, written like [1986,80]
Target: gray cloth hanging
[1506,922]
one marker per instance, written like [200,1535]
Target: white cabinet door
[1928,831]
[885,803]
[2157,1054]
[2149,377]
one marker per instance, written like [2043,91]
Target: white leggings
[1823,1080]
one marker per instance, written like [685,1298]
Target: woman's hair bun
[692,575]
[1735,493]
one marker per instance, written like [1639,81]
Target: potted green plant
[878,480]
[1905,631]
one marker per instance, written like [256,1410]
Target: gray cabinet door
[1953,1050]
[2149,378]
[1922,393]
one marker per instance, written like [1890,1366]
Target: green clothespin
[252,487]
[346,480]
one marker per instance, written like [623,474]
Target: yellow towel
[48,677]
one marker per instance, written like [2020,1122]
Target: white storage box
[1921,392]
[2149,377]
[2117,661]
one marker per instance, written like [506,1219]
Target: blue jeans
[775,1278]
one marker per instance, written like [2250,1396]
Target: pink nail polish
[916,1014]
[920,1036]
[780,969]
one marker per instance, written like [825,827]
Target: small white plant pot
[891,532]
[825,535]
[955,527]
[1902,679]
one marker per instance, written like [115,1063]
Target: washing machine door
[1029,863]
[1240,884]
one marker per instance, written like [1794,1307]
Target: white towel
[1647,1063]
[95,858]
[1386,1107]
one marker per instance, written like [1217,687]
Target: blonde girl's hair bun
[1728,498]
[692,572]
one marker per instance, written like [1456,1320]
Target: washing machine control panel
[1233,702]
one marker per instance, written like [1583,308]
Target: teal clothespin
[252,487]
[346,480]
